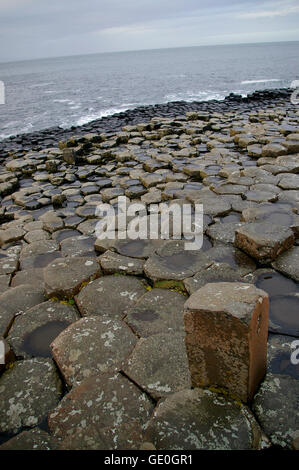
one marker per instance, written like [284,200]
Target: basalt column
[226,328]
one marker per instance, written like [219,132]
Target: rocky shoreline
[48,137]
[95,330]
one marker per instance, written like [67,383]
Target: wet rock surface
[238,158]
[32,333]
[157,311]
[29,390]
[277,410]
[35,439]
[159,364]
[226,328]
[90,346]
[104,412]
[200,419]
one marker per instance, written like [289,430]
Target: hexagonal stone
[276,407]
[11,235]
[137,248]
[227,188]
[29,276]
[217,272]
[135,191]
[173,262]
[109,295]
[226,328]
[114,263]
[78,246]
[92,346]
[64,277]
[260,196]
[36,235]
[8,265]
[275,214]
[33,332]
[288,263]
[87,211]
[104,412]
[39,254]
[35,439]
[159,364]
[213,205]
[111,193]
[289,182]
[203,420]
[273,150]
[149,180]
[157,311]
[228,254]
[29,390]
[17,300]
[51,221]
[223,233]
[152,197]
[264,241]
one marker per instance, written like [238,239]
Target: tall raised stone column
[226,328]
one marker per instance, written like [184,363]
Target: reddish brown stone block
[226,328]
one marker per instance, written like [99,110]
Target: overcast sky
[50,28]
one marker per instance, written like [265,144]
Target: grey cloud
[41,28]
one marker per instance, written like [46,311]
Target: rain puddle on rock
[63,234]
[284,313]
[41,261]
[179,262]
[133,248]
[280,355]
[38,212]
[37,343]
[284,302]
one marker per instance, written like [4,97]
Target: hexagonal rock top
[64,277]
[17,300]
[104,412]
[226,328]
[28,392]
[114,263]
[200,419]
[264,241]
[157,311]
[91,346]
[173,262]
[35,439]
[32,332]
[276,408]
[110,295]
[159,364]
[288,263]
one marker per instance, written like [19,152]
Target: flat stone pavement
[94,330]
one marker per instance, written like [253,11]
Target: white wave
[92,117]
[249,82]
[20,130]
[38,85]
[192,96]
[62,101]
